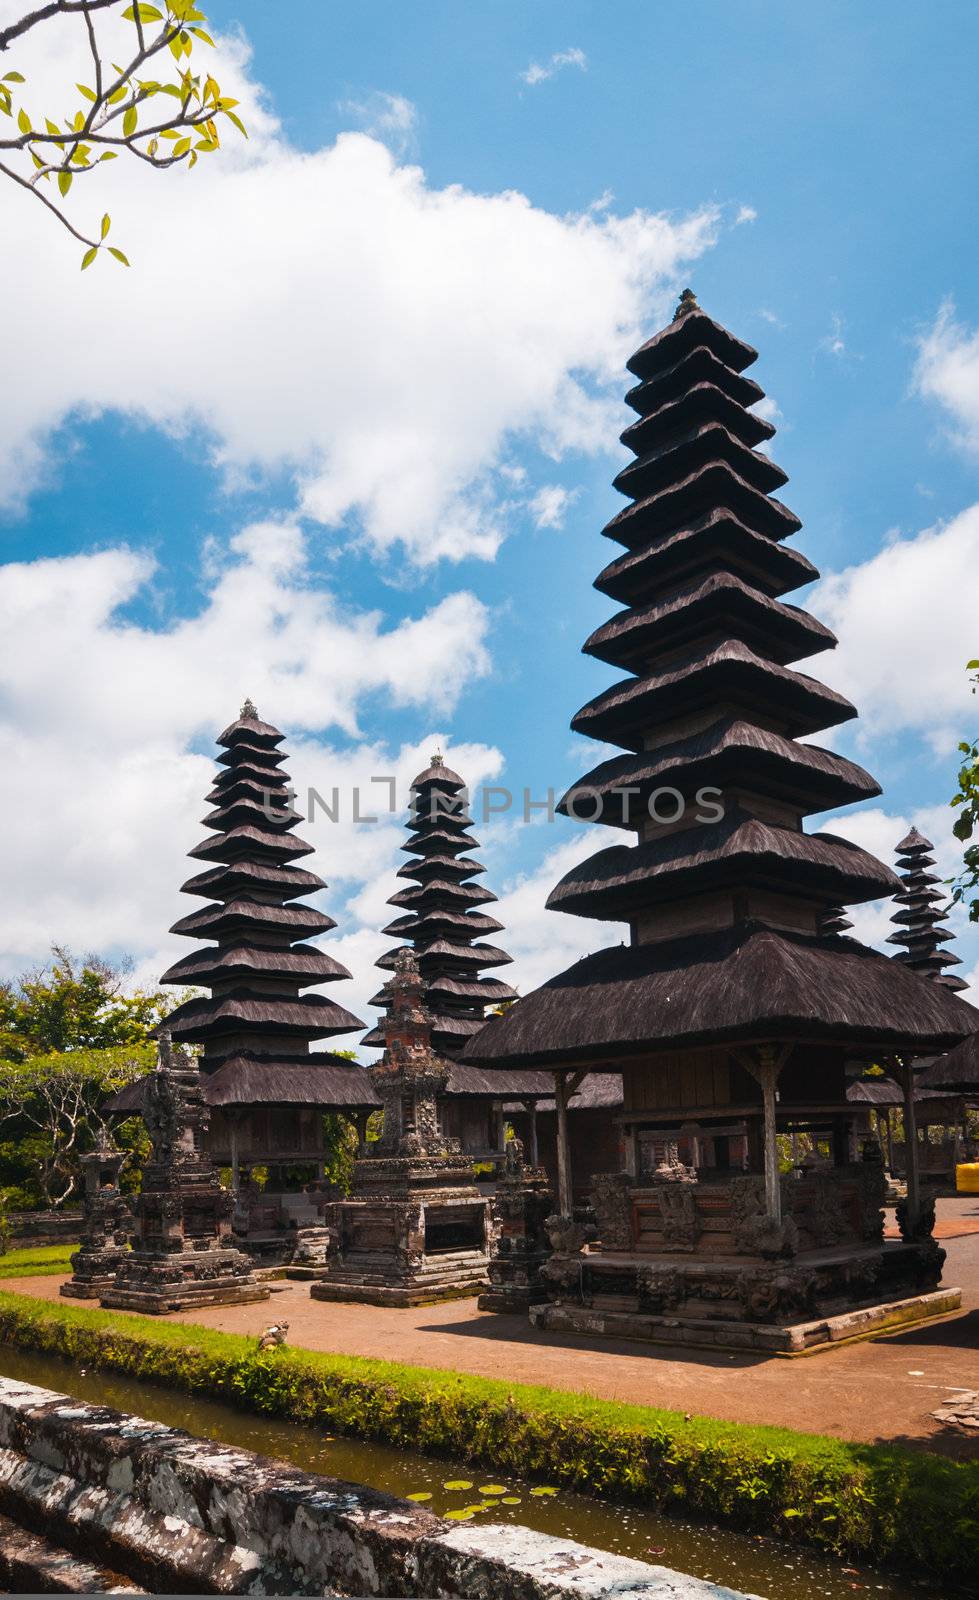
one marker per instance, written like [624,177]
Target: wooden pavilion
[266,1089]
[443,921]
[732,1014]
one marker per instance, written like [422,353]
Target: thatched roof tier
[718,539]
[717,673]
[958,1071]
[700,445]
[749,983]
[700,403]
[428,867]
[729,754]
[598,1091]
[717,484]
[255,969]
[248,842]
[448,953]
[738,853]
[438,776]
[309,1016]
[915,844]
[250,729]
[885,1092]
[253,918]
[720,602]
[700,366]
[330,1082]
[437,892]
[832,921]
[262,878]
[453,1030]
[490,991]
[690,328]
[249,811]
[302,962]
[436,922]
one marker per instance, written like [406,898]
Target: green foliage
[878,1503]
[966,823]
[74,1004]
[115,115]
[340,1141]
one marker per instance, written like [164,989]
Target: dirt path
[883,1389]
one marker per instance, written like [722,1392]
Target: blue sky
[359,348]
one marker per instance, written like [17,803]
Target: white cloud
[745,214]
[906,622]
[389,117]
[834,344]
[537,73]
[550,505]
[100,715]
[544,942]
[332,315]
[947,370]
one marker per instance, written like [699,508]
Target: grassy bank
[41,1261]
[881,1504]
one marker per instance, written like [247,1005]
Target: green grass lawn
[37,1261]
[882,1503]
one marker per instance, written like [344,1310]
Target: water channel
[760,1566]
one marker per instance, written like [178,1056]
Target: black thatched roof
[441,926]
[958,1071]
[734,985]
[715,536]
[918,919]
[255,967]
[598,1091]
[323,1080]
[885,1092]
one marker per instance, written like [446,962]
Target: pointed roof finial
[686,303]
[249,709]
[437,759]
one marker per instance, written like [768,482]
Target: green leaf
[64,181]
[108,155]
[458,1483]
[145,14]
[89,256]
[459,1516]
[492,1488]
[118,94]
[83,89]
[18,77]
[791,1511]
[419,1496]
[106,224]
[200,34]
[118,255]
[543,1489]
[231,116]
[509,1500]
[181,147]
[129,122]
[23,121]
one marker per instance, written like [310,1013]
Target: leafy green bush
[37,1261]
[876,1502]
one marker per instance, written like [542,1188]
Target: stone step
[30,1564]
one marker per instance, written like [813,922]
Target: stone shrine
[105,1228]
[183,1249]
[415,1227]
[521,1247]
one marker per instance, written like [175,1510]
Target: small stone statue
[273,1336]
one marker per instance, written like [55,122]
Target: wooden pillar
[904,1073]
[765,1065]
[533,1148]
[235,1170]
[561,1097]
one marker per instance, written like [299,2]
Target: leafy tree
[966,824]
[74,1005]
[45,156]
[51,1108]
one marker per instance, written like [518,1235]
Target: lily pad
[543,1489]
[510,1500]
[492,1488]
[489,1504]
[421,1494]
[462,1515]
[457,1483]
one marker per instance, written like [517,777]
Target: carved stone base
[422,1244]
[181,1281]
[792,1340]
[93,1272]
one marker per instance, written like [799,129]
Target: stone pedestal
[106,1222]
[521,1246]
[415,1227]
[183,1251]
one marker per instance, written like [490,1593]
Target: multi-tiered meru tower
[922,905]
[441,920]
[266,1089]
[733,1011]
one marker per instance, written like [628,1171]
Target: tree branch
[56,7]
[25,183]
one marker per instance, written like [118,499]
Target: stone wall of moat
[102,1499]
